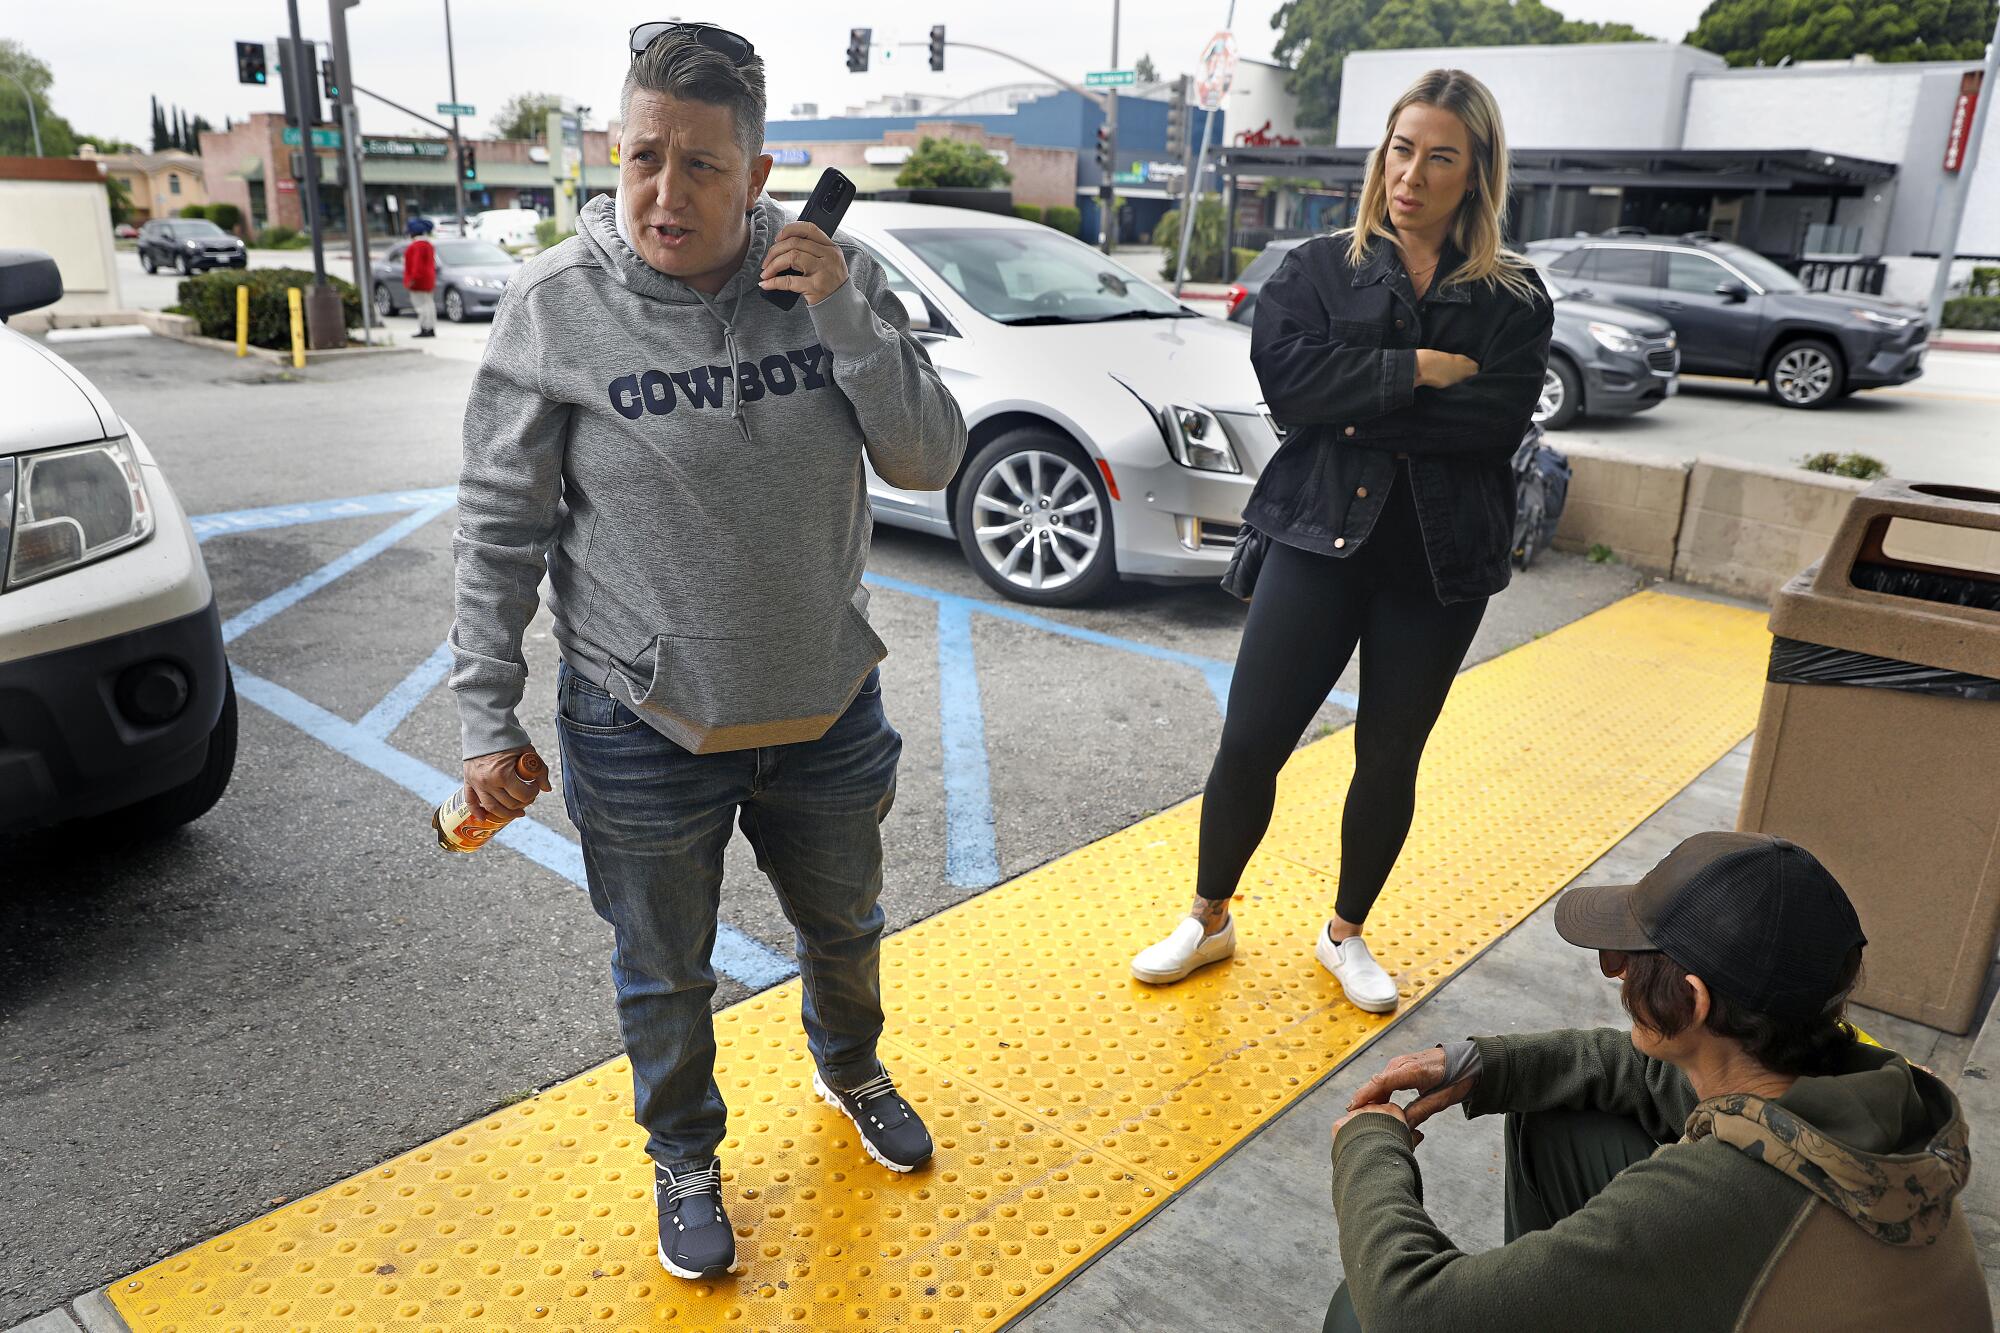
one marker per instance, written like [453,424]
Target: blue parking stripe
[400,702]
[318,511]
[971,856]
[246,620]
[736,954]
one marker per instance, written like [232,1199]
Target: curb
[279,358]
[1963,345]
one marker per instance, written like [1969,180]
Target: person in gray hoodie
[683,459]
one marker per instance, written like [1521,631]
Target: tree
[952,162]
[17,137]
[1764,32]
[120,200]
[1146,71]
[526,116]
[106,145]
[160,135]
[1315,36]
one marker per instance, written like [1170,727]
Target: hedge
[1065,218]
[1971,312]
[1985,281]
[211,299]
[226,216]
[194,210]
[548,233]
[281,238]
[1028,212]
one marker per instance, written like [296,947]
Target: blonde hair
[1477,228]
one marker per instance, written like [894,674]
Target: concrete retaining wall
[1738,527]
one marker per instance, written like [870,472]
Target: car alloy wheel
[1034,521]
[1551,401]
[384,307]
[187,269]
[146,262]
[1805,374]
[454,306]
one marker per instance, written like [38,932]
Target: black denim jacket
[1335,349]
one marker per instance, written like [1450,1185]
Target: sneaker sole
[1366,1006]
[698,1274]
[1152,978]
[826,1095]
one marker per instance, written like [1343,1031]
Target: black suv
[1740,315]
[190,245]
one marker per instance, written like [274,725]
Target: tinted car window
[1265,264]
[1570,263]
[1617,263]
[1695,273]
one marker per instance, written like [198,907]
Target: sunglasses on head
[730,46]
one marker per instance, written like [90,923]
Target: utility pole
[1191,200]
[457,147]
[348,117]
[1107,191]
[1968,162]
[34,126]
[326,323]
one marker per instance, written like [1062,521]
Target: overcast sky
[109,56]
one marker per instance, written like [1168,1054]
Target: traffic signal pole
[326,323]
[348,116]
[1107,190]
[457,146]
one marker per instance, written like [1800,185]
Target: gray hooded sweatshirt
[687,471]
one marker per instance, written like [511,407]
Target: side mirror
[29,280]
[919,313]
[1733,292]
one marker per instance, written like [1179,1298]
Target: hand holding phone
[824,209]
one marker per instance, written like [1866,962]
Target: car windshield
[1031,276]
[191,229]
[1549,280]
[1760,270]
[471,254]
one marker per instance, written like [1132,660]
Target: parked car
[1605,360]
[506,226]
[472,276]
[190,245]
[1740,315]
[125,231]
[115,695]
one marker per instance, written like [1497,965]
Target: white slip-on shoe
[1183,951]
[1360,976]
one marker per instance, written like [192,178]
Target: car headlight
[1881,320]
[1196,440]
[72,506]
[1615,337]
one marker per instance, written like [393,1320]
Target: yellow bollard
[243,321]
[298,328]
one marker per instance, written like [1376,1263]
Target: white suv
[506,226]
[114,691]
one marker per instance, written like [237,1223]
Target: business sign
[287,186]
[1110,78]
[1217,70]
[791,157]
[456,109]
[404,148]
[1961,119]
[321,138]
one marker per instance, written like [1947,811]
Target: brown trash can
[1878,746]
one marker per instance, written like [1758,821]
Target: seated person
[1807,1178]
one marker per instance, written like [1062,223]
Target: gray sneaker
[891,1131]
[695,1237]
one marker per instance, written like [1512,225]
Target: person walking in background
[1404,358]
[420,276]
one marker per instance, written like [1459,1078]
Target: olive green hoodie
[1828,1208]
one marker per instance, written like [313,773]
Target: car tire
[454,306]
[194,798]
[187,269]
[385,304]
[1069,524]
[1805,373]
[1562,394]
[146,262]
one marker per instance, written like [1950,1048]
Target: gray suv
[1740,315]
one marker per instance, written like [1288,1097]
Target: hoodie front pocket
[711,695]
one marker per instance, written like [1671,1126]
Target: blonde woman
[1403,356]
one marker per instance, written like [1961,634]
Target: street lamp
[33,125]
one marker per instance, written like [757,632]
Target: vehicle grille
[1218,536]
[1662,358]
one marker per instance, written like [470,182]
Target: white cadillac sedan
[1113,432]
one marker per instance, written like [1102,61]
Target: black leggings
[1308,613]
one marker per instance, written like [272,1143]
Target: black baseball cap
[1757,918]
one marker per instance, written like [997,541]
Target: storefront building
[160,184]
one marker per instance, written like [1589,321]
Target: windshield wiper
[1025,321]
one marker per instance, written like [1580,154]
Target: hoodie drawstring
[735,362]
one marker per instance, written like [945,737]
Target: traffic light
[857,49]
[1105,158]
[250,63]
[301,88]
[1177,119]
[330,79]
[468,162]
[937,47]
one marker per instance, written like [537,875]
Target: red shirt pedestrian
[420,265]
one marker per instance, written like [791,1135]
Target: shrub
[226,216]
[548,233]
[1600,554]
[282,238]
[1971,312]
[1985,281]
[952,162]
[1030,212]
[211,299]
[1065,218]
[194,211]
[1204,245]
[1860,466]
[1240,258]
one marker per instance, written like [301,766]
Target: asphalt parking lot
[301,984]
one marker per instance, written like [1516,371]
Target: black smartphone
[824,209]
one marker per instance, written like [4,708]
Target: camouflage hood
[1881,1140]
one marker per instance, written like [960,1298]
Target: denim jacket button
[1350,430]
[1339,542]
[1361,492]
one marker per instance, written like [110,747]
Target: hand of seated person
[1373,1108]
[1420,1072]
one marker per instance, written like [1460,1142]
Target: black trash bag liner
[1794,662]
[1926,585]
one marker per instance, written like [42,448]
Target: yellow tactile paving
[1067,1100]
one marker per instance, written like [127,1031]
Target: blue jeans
[655,819]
